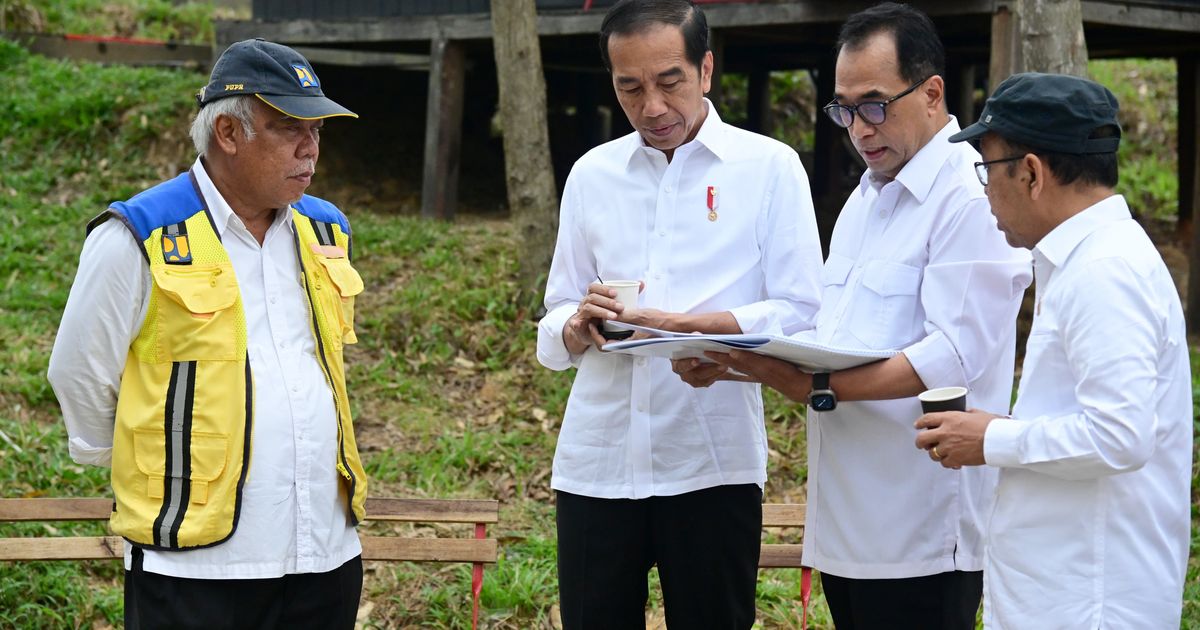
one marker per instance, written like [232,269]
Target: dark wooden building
[447,47]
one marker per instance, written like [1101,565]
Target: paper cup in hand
[943,399]
[627,295]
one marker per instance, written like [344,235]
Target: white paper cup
[943,399]
[627,295]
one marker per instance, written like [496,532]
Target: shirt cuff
[936,362]
[1001,442]
[84,453]
[551,349]
[757,318]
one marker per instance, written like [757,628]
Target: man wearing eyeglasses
[1091,522]
[915,264]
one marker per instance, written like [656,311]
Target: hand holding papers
[806,354]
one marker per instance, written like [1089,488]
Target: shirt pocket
[196,321]
[833,283]
[346,284]
[885,311]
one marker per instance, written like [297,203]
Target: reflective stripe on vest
[182,441]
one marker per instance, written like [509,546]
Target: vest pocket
[348,284]
[206,457]
[195,320]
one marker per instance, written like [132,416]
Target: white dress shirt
[1091,523]
[632,428]
[292,518]
[915,264]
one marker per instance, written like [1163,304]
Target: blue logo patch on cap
[305,76]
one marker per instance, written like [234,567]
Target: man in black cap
[1091,522]
[200,356]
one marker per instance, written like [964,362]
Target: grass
[163,20]
[449,401]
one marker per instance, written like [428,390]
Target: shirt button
[282,344]
[274,299]
[658,276]
[295,388]
[641,407]
[668,189]
[662,233]
[641,361]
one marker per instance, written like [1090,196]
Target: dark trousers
[321,601]
[705,544]
[946,601]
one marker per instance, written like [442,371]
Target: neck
[1068,201]
[936,124]
[670,153]
[255,217]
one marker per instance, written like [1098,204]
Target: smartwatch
[821,398]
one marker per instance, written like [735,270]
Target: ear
[227,133]
[706,72]
[1038,174]
[934,91]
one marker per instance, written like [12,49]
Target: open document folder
[806,354]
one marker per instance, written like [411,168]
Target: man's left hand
[954,438]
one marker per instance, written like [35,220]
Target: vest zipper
[342,467]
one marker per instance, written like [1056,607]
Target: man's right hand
[583,328]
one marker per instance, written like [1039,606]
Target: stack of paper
[806,354]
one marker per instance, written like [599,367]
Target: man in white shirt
[200,356]
[915,265]
[719,224]
[1091,523]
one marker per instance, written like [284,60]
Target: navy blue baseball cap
[276,74]
[1052,112]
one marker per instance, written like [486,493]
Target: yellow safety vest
[182,441]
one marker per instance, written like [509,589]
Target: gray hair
[238,107]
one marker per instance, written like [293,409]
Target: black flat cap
[276,74]
[1052,112]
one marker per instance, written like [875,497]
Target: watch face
[822,402]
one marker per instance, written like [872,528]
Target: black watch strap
[820,380]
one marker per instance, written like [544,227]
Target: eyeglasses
[873,112]
[981,168]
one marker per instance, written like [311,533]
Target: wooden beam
[343,57]
[783,514]
[378,509]
[111,50]
[73,548]
[478,25]
[1192,98]
[829,160]
[960,92]
[428,549]
[1174,17]
[55,509]
[1006,43]
[758,101]
[1186,130]
[433,510]
[780,555]
[443,129]
[1180,17]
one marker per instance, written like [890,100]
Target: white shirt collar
[711,135]
[922,169]
[1057,246]
[222,214]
